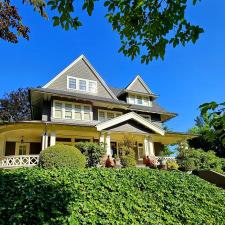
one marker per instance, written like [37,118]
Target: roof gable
[130,116]
[80,68]
[138,85]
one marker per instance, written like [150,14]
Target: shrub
[127,157]
[92,151]
[172,165]
[62,156]
[197,159]
[100,196]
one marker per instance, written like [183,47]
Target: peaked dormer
[137,93]
[80,77]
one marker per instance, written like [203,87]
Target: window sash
[82,85]
[72,83]
[104,115]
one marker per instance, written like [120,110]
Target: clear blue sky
[188,77]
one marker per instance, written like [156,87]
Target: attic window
[78,84]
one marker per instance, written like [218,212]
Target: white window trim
[136,100]
[77,84]
[108,111]
[73,110]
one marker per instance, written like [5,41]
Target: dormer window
[83,85]
[139,100]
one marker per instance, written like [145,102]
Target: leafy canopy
[15,106]
[145,27]
[210,126]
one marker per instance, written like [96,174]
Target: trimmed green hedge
[108,196]
[59,156]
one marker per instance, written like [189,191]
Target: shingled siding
[138,87]
[80,70]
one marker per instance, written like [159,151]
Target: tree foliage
[210,126]
[15,106]
[101,196]
[145,27]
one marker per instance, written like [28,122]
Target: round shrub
[60,155]
[128,157]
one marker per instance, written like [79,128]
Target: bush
[172,165]
[127,157]
[197,159]
[100,196]
[62,156]
[93,152]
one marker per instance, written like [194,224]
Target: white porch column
[102,138]
[151,147]
[46,141]
[108,145]
[52,139]
[146,146]
[43,142]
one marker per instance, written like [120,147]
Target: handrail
[14,161]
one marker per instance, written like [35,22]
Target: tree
[15,106]
[145,27]
[210,126]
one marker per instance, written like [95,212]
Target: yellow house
[77,105]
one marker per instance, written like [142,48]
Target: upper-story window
[139,100]
[79,84]
[104,115]
[72,111]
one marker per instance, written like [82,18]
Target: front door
[140,151]
[22,148]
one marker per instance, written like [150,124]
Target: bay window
[87,114]
[77,113]
[68,111]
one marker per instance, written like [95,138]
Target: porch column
[102,138]
[151,146]
[146,146]
[108,145]
[46,140]
[52,138]
[43,142]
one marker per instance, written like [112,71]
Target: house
[77,105]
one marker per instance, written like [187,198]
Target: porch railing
[15,161]
[166,158]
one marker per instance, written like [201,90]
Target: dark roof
[78,95]
[116,91]
[154,109]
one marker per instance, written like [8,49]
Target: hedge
[59,156]
[108,196]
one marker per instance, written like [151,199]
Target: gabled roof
[139,80]
[82,57]
[130,116]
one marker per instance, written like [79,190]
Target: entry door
[140,151]
[22,148]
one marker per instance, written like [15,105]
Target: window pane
[118,114]
[77,114]
[58,105]
[132,99]
[92,87]
[146,100]
[87,116]
[58,113]
[72,83]
[22,150]
[101,116]
[110,115]
[87,109]
[139,100]
[68,111]
[82,85]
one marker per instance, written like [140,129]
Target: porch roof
[130,116]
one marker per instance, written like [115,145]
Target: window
[145,101]
[82,85]
[139,100]
[92,86]
[77,114]
[132,99]
[58,110]
[68,111]
[75,83]
[87,113]
[101,116]
[110,115]
[72,83]
[104,115]
[22,150]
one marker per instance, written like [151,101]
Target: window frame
[115,114]
[144,98]
[73,104]
[87,90]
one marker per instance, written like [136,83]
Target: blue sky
[188,77]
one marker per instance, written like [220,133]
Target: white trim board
[128,116]
[82,57]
